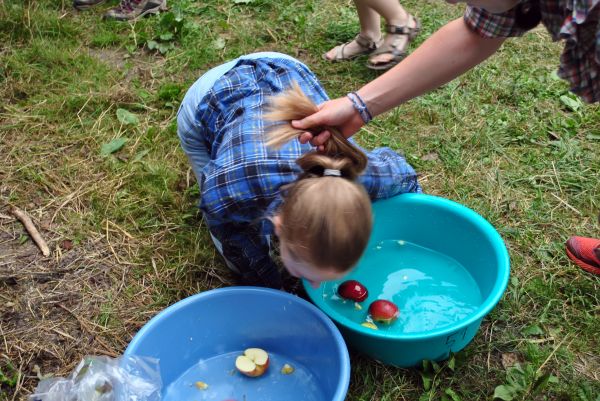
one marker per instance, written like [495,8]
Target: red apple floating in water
[253,363]
[383,311]
[352,289]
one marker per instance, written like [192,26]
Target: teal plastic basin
[445,228]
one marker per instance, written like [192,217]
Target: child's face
[298,268]
[492,6]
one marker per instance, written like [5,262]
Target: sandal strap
[404,29]
[398,30]
[365,42]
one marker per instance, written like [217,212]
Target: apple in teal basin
[433,268]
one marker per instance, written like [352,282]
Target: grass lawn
[88,147]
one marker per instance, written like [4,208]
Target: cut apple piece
[201,385]
[253,363]
[370,325]
[287,369]
[259,356]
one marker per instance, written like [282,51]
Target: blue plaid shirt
[240,185]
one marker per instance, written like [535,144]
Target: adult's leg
[394,15]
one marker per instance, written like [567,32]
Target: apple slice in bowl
[253,363]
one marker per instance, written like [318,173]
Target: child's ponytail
[339,153]
[326,214]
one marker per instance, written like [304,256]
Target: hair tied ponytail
[332,172]
[326,223]
[338,154]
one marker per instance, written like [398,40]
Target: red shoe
[585,252]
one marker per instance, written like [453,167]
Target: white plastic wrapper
[100,378]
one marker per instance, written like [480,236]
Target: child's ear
[276,220]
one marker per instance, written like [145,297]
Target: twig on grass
[30,227]
[566,204]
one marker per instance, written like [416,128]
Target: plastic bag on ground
[100,378]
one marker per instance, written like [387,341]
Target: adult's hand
[339,113]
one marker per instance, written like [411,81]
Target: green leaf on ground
[542,381]
[533,330]
[427,379]
[126,117]
[452,362]
[504,392]
[452,394]
[573,104]
[112,146]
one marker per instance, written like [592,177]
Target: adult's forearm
[448,53]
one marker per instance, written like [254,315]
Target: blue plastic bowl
[198,339]
[444,227]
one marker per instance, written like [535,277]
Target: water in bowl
[432,290]
[226,383]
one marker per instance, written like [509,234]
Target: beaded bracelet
[360,106]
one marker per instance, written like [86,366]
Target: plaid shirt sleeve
[388,174]
[489,25]
[575,22]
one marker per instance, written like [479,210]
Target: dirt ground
[50,306]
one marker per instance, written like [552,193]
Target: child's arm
[388,174]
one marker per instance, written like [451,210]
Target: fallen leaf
[429,157]
[219,43]
[46,224]
[67,245]
[593,136]
[509,359]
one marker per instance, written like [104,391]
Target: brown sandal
[398,54]
[367,46]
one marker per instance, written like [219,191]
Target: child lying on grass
[316,203]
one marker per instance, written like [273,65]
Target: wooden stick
[33,232]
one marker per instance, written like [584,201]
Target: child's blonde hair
[326,219]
